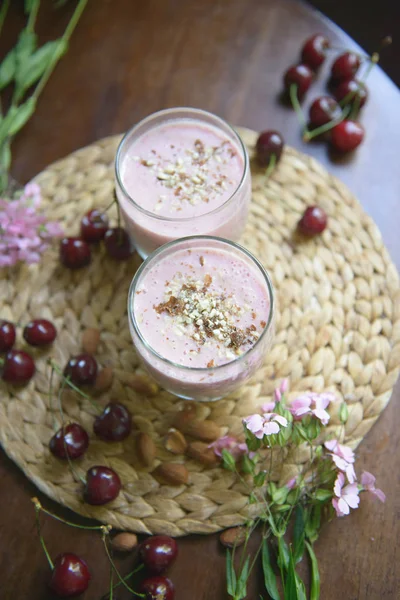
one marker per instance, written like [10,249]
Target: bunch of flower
[24,232]
[326,485]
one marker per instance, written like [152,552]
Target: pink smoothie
[181,176]
[202,308]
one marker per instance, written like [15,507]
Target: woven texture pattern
[337,328]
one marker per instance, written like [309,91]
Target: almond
[143,385]
[207,431]
[90,340]
[236,536]
[188,413]
[201,452]
[175,442]
[124,542]
[145,449]
[103,380]
[172,473]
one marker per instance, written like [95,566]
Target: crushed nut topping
[203,313]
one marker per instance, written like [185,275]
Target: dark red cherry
[117,243]
[70,576]
[269,143]
[158,588]
[71,439]
[94,226]
[347,135]
[313,221]
[114,424]
[7,336]
[345,66]
[102,485]
[351,86]
[301,75]
[74,252]
[18,367]
[158,553]
[40,332]
[81,369]
[324,110]
[313,52]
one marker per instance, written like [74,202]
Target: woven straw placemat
[338,328]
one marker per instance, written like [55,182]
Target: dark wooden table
[129,58]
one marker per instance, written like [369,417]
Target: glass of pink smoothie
[201,316]
[181,172]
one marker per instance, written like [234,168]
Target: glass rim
[168,111]
[152,256]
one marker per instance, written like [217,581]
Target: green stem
[72,385]
[121,579]
[309,135]
[3,12]
[38,506]
[30,26]
[271,166]
[37,510]
[76,476]
[67,34]
[296,105]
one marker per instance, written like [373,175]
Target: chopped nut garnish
[263,324]
[253,315]
[202,261]
[210,363]
[207,280]
[174,306]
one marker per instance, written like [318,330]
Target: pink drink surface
[201,307]
[182,169]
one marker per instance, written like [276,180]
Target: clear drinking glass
[148,230]
[208,383]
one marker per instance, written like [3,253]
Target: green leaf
[230,575]
[313,429]
[315,577]
[247,465]
[298,535]
[279,495]
[323,495]
[25,46]
[7,69]
[344,412]
[269,575]
[28,5]
[290,583]
[228,460]
[283,553]
[313,522]
[5,156]
[241,586]
[252,442]
[252,499]
[19,116]
[300,588]
[32,68]
[281,508]
[259,479]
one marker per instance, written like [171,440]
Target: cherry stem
[37,511]
[39,507]
[73,386]
[373,61]
[296,105]
[309,135]
[121,579]
[271,166]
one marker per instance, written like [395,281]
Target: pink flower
[291,483]
[267,424]
[368,483]
[277,395]
[229,443]
[312,403]
[284,386]
[268,407]
[346,497]
[24,234]
[343,457]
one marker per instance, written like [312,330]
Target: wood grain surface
[128,58]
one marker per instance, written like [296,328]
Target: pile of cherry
[348,92]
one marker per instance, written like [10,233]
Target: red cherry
[74,252]
[324,110]
[39,332]
[7,336]
[345,66]
[102,485]
[313,52]
[70,576]
[347,135]
[313,221]
[18,367]
[117,243]
[114,424]
[158,553]
[351,86]
[269,143]
[71,439]
[94,226]
[301,75]
[81,369]
[158,588]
